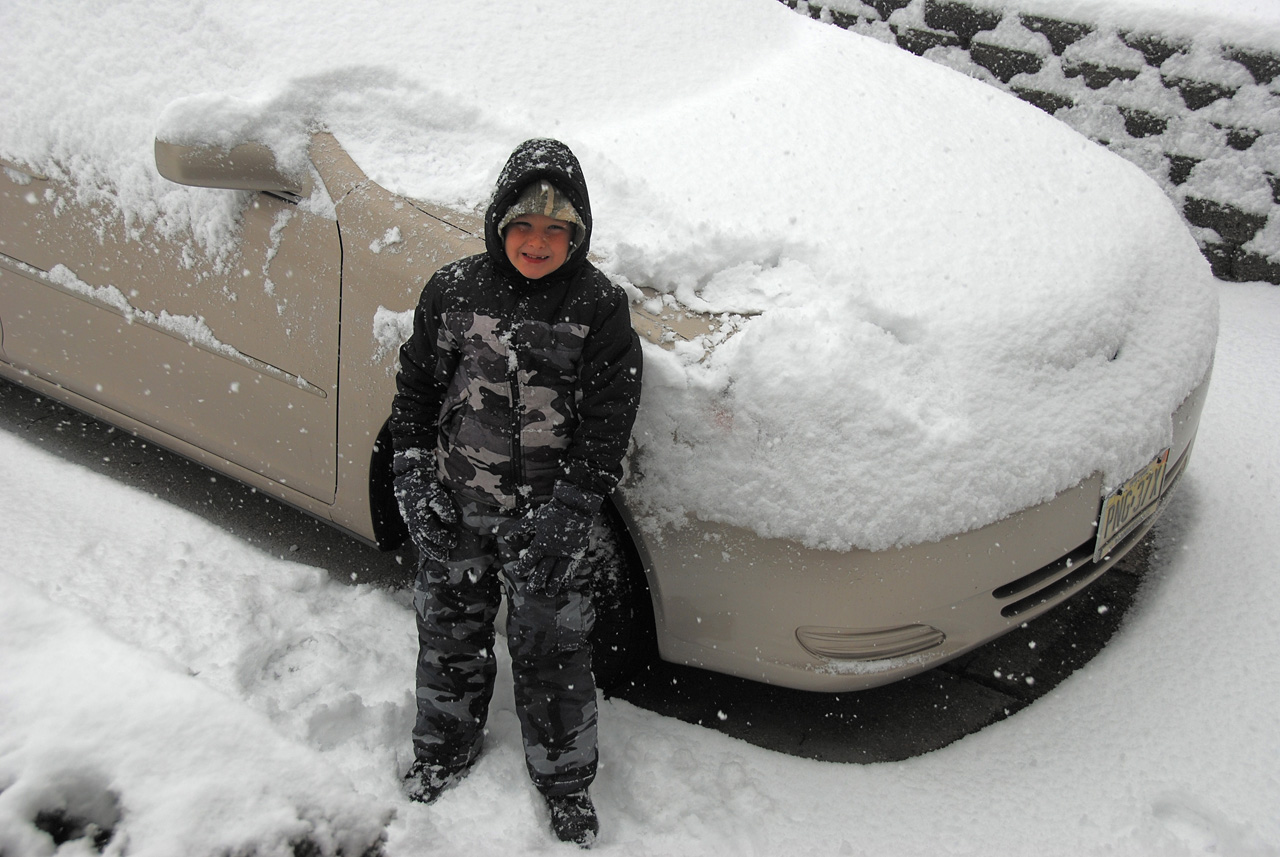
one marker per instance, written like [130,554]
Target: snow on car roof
[957,305]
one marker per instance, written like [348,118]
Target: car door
[235,353]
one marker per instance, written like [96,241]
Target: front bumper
[778,612]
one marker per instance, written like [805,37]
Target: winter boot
[426,781]
[573,818]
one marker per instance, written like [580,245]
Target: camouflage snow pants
[548,638]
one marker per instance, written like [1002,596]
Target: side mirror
[248,166]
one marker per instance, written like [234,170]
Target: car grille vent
[1077,568]
[1080,559]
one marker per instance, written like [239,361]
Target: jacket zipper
[517,427]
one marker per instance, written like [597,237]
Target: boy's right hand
[426,506]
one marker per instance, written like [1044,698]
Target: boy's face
[537,244]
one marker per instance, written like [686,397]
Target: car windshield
[945,306]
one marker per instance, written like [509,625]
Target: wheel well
[389,530]
[625,635]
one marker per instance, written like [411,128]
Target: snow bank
[108,737]
[1239,22]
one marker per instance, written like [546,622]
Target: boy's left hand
[561,532]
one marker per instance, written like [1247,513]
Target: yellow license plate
[1129,505]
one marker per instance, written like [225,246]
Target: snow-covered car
[921,363]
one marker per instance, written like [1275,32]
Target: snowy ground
[200,696]
[170,683]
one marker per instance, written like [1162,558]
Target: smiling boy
[515,400]
[536,244]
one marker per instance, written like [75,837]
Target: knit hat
[542,197]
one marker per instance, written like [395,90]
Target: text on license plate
[1129,504]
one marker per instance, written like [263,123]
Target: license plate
[1130,505]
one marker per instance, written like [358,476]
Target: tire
[388,527]
[624,639]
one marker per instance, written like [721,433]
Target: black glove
[561,531]
[425,504]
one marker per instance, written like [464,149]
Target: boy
[515,400]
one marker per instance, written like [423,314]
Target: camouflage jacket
[516,383]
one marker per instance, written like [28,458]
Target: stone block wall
[1200,115]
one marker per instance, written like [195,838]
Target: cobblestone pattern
[1201,117]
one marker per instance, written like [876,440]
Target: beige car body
[268,371]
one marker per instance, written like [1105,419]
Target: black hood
[531,161]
